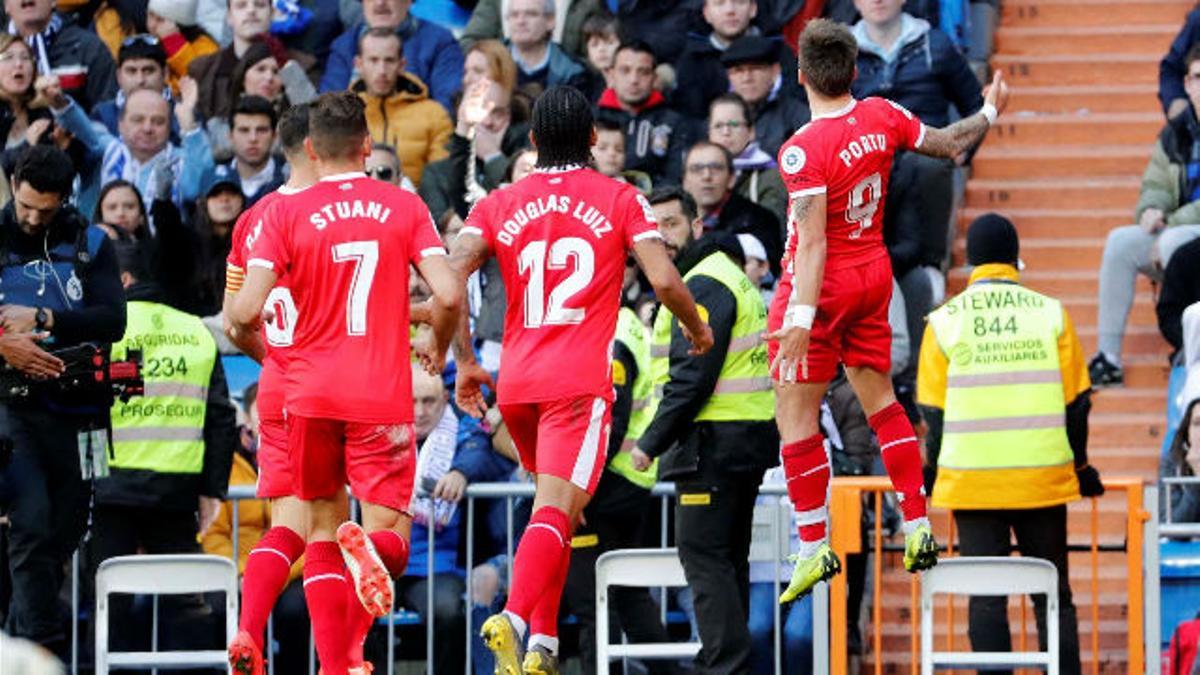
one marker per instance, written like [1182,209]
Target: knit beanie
[992,239]
[182,12]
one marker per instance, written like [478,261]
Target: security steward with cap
[1003,384]
[59,287]
[618,515]
[713,428]
[172,448]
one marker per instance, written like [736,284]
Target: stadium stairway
[1064,163]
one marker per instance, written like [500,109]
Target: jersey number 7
[541,310]
[365,256]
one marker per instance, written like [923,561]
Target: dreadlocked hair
[562,128]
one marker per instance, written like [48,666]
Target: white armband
[989,111]
[799,316]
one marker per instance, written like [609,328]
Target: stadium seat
[989,576]
[639,568]
[164,575]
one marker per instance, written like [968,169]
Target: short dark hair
[828,52]
[293,128]
[600,25]
[249,104]
[337,124]
[732,98]
[142,47]
[562,128]
[637,46]
[675,193]
[383,34]
[700,145]
[46,169]
[608,124]
[133,259]
[1193,54]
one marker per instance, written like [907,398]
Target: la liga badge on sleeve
[792,160]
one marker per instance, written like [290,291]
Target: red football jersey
[345,246]
[847,156]
[561,238]
[277,334]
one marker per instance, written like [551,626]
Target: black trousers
[185,621]
[713,521]
[47,513]
[615,524]
[1040,533]
[449,616]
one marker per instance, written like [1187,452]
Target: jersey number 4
[541,310]
[365,256]
[864,203]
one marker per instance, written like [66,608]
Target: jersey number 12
[541,310]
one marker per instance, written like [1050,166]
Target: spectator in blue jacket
[1174,67]
[141,64]
[453,452]
[430,51]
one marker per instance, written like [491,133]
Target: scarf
[753,158]
[119,164]
[434,461]
[40,43]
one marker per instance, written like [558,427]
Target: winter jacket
[700,77]
[1180,289]
[662,24]
[674,433]
[1172,69]
[214,75]
[656,136]
[108,113]
[739,215]
[443,185]
[758,180]
[254,519]
[923,72]
[410,122]
[487,22]
[73,49]
[430,53]
[778,117]
[560,68]
[171,491]
[1164,183]
[181,52]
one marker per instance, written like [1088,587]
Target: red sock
[806,465]
[392,549]
[325,589]
[544,620]
[901,458]
[267,569]
[547,540]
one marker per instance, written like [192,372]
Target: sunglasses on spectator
[139,39]
[381,172]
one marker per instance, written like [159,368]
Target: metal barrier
[830,602]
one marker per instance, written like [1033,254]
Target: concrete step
[1083,310]
[1076,129]
[1074,161]
[1129,399]
[1054,254]
[1060,69]
[1100,40]
[1086,97]
[1063,13]
[1061,193]
[1052,222]
[1051,282]
[1139,341]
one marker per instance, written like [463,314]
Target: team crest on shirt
[660,139]
[793,160]
[74,288]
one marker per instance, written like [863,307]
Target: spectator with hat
[173,22]
[1011,468]
[220,202]
[141,64]
[753,67]
[699,76]
[757,266]
[83,64]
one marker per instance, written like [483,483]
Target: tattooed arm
[467,254]
[969,131]
[807,213]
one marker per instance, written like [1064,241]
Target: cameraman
[59,286]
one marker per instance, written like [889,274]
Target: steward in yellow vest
[173,447]
[1003,384]
[713,426]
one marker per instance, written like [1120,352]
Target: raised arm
[670,289]
[968,132]
[808,214]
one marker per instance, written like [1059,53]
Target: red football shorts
[274,465]
[851,325]
[379,461]
[567,438]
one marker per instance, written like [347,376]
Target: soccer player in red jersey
[831,305]
[345,246]
[270,562]
[561,236]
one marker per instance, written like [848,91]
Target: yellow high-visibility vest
[632,334]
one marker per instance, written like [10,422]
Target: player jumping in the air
[832,302]
[561,236]
[345,245]
[270,563]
